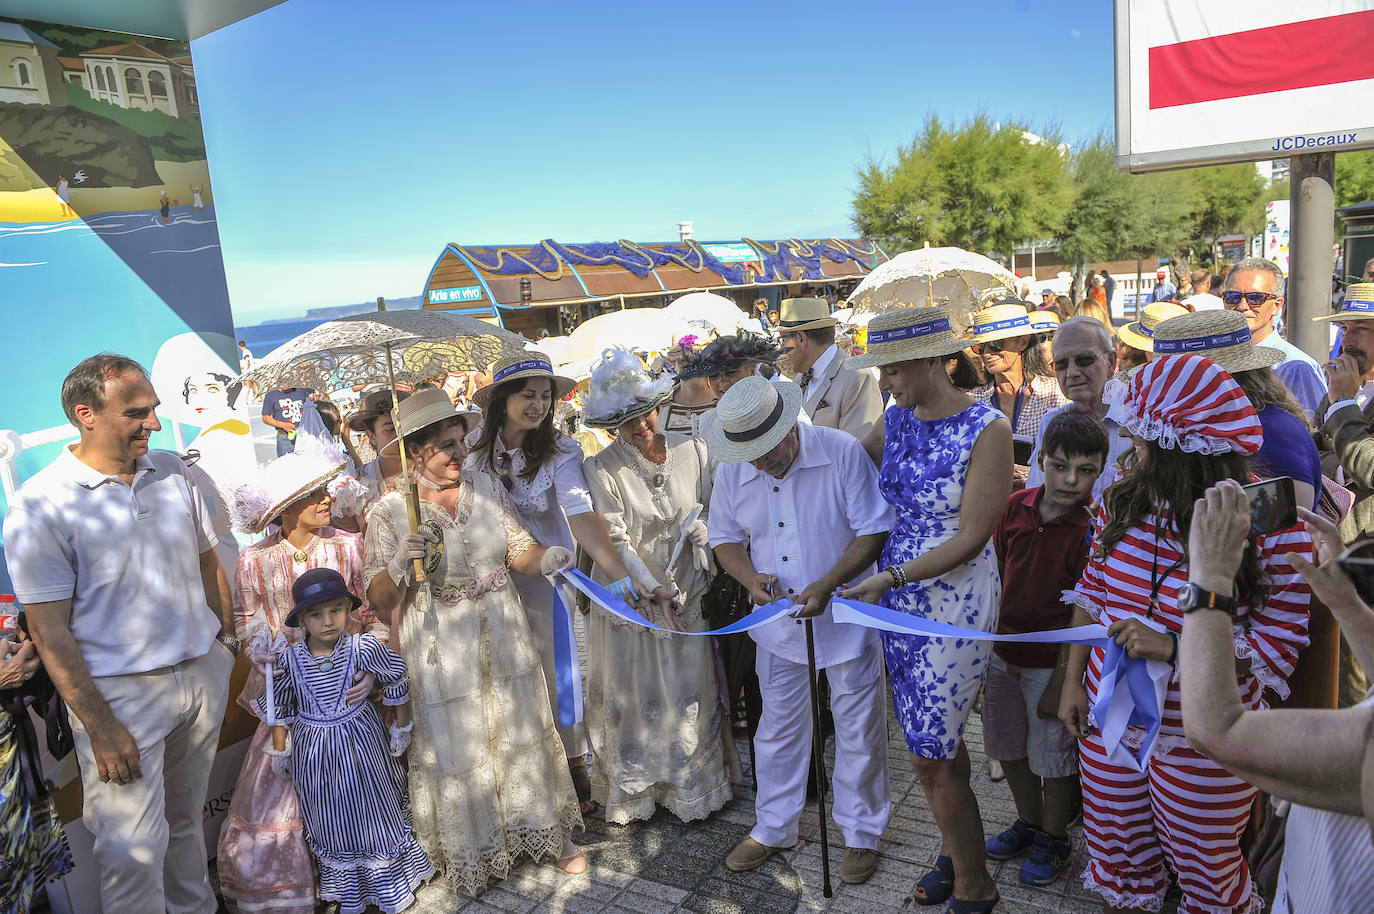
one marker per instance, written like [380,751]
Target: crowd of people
[415,721]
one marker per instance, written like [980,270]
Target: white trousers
[149,841]
[860,800]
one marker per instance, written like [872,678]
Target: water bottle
[9,617]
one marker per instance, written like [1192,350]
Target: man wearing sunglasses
[1254,287]
[1084,361]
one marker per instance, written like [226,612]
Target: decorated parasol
[639,329]
[709,311]
[949,277]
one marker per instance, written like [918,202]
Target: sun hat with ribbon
[622,389]
[906,335]
[284,481]
[1043,321]
[424,408]
[1140,334]
[1222,336]
[798,314]
[1357,305]
[517,365]
[316,586]
[752,417]
[1006,319]
[1190,403]
[376,404]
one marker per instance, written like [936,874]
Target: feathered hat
[622,389]
[282,482]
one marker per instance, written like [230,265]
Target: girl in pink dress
[263,861]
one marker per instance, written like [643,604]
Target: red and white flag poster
[1210,81]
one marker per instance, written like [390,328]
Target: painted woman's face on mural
[206,395]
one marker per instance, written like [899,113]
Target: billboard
[1204,83]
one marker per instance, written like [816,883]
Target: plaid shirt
[1042,396]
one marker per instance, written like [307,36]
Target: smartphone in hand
[1272,505]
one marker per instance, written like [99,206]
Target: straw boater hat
[285,481]
[1140,335]
[1190,403]
[527,364]
[1044,321]
[1222,336]
[751,419]
[1004,320]
[906,335]
[621,389]
[1358,304]
[375,405]
[797,314]
[424,408]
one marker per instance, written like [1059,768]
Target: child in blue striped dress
[351,786]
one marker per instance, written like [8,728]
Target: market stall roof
[477,279]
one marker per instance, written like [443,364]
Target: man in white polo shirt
[795,513]
[112,554]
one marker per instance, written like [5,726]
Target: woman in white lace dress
[488,781]
[652,706]
[542,471]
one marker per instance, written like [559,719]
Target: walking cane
[818,755]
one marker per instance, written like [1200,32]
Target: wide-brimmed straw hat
[528,364]
[622,389]
[1358,304]
[424,408]
[1192,404]
[906,335]
[375,405]
[1043,321]
[1140,334]
[1007,319]
[753,416]
[1222,336]
[798,314]
[283,482]
[316,586]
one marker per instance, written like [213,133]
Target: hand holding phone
[1272,505]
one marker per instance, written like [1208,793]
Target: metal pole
[1311,257]
[818,755]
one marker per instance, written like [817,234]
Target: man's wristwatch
[1193,598]
[230,642]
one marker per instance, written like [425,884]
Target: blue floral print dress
[934,680]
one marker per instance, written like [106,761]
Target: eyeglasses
[1082,360]
[1253,299]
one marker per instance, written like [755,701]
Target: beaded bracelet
[898,574]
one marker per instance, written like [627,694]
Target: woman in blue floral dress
[945,467]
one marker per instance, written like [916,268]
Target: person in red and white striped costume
[1191,426]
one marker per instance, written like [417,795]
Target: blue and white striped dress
[352,792]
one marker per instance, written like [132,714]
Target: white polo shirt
[797,528]
[128,557]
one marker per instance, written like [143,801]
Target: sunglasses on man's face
[1253,299]
[1082,360]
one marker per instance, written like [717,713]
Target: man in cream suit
[834,395]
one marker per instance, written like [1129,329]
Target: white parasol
[709,311]
[641,329]
[953,278]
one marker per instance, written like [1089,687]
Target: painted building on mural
[133,76]
[31,72]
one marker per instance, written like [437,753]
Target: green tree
[1226,200]
[1354,177]
[978,186]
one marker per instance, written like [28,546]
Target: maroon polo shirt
[1040,560]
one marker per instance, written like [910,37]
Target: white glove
[556,558]
[281,761]
[697,534]
[400,739]
[411,547]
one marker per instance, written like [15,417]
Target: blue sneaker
[1013,842]
[1047,860]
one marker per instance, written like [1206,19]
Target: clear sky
[349,141]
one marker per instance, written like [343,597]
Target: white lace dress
[488,777]
[653,711]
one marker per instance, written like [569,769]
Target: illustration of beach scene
[108,238]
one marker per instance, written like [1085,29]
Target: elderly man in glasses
[1084,361]
[1254,287]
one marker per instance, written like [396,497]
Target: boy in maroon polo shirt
[1042,548]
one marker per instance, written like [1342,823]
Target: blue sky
[349,141]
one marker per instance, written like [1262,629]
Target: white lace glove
[350,497]
[281,760]
[401,566]
[556,558]
[697,533]
[400,739]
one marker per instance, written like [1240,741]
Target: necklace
[434,486]
[1158,582]
[655,475]
[300,555]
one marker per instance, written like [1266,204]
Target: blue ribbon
[1023,321]
[1358,304]
[529,364]
[896,334]
[567,665]
[1201,343]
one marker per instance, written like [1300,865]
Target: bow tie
[804,379]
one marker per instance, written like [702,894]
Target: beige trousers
[149,842]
